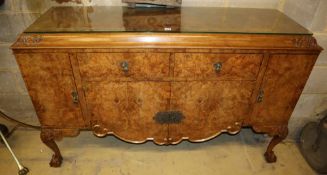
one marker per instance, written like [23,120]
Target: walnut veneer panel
[126,109]
[141,66]
[209,108]
[283,83]
[50,82]
[201,66]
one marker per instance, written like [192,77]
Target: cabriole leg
[48,138]
[279,137]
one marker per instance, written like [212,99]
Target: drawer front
[123,66]
[217,66]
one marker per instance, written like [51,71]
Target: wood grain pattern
[127,109]
[123,104]
[283,83]
[80,90]
[258,83]
[201,66]
[167,40]
[107,66]
[166,72]
[170,50]
[49,80]
[209,108]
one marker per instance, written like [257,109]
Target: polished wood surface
[164,40]
[202,84]
[141,66]
[209,108]
[127,109]
[283,83]
[217,20]
[50,82]
[201,66]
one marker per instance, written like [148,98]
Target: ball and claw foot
[55,161]
[270,157]
[278,137]
[23,171]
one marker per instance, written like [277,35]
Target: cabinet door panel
[208,108]
[126,109]
[50,82]
[283,83]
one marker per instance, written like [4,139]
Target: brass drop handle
[74,97]
[124,66]
[218,66]
[260,96]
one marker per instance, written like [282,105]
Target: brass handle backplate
[125,66]
[218,66]
[74,97]
[169,117]
[260,96]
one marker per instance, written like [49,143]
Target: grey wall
[16,15]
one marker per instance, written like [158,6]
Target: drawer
[123,66]
[217,66]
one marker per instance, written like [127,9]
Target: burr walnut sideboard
[164,75]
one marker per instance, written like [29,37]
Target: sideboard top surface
[211,20]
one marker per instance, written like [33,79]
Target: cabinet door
[126,109]
[50,82]
[209,108]
[282,86]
